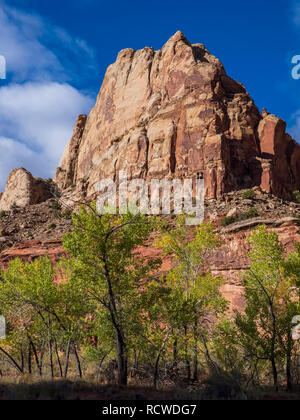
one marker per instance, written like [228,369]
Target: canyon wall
[176,113]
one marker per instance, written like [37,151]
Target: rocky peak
[176,113]
[22,190]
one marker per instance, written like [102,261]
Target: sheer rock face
[175,113]
[22,190]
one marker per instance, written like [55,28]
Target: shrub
[223,386]
[297,195]
[252,213]
[232,219]
[52,226]
[228,221]
[2,214]
[248,195]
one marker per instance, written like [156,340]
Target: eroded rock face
[22,190]
[280,156]
[176,113]
[66,172]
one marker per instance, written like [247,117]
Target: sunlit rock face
[22,190]
[176,113]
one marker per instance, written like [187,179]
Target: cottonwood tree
[41,312]
[196,293]
[271,304]
[111,271]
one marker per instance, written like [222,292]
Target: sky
[57,52]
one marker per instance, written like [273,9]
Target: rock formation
[176,113]
[22,190]
[171,113]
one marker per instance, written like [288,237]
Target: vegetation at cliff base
[112,314]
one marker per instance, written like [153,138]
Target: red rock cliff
[173,113]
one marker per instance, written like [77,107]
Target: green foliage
[297,195]
[2,214]
[228,220]
[248,195]
[52,226]
[194,293]
[265,328]
[109,270]
[106,305]
[250,214]
[41,314]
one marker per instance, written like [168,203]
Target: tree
[195,290]
[265,328]
[41,312]
[111,271]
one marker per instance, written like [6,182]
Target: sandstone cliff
[168,113]
[176,113]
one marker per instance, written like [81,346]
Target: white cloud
[24,40]
[38,105]
[36,121]
[14,154]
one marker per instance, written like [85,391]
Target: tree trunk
[122,359]
[29,360]
[175,355]
[50,347]
[195,372]
[289,379]
[187,361]
[22,360]
[156,368]
[275,375]
[38,363]
[156,372]
[77,361]
[12,360]
[67,359]
[58,359]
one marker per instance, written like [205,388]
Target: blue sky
[57,53]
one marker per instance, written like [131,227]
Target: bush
[297,195]
[52,226]
[223,386]
[228,221]
[248,195]
[252,213]
[233,219]
[2,214]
